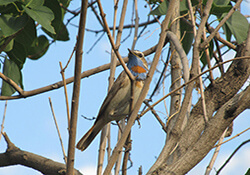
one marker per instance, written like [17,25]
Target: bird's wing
[120,82]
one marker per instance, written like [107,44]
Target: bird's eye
[140,55]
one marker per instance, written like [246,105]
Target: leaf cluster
[236,26]
[19,23]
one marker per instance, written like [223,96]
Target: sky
[30,126]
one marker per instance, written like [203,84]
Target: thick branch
[216,126]
[16,156]
[217,95]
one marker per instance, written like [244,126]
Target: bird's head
[137,64]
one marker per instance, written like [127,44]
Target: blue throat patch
[136,67]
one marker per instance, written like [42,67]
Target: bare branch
[112,42]
[16,156]
[12,83]
[190,155]
[129,26]
[58,131]
[76,89]
[4,114]
[156,116]
[173,38]
[216,152]
[191,80]
[237,135]
[136,25]
[65,93]
[232,156]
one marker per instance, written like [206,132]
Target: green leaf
[27,36]
[18,54]
[65,3]
[5,2]
[9,46]
[187,31]
[10,9]
[39,48]
[161,9]
[60,29]
[10,25]
[238,25]
[62,33]
[220,9]
[227,32]
[221,2]
[248,172]
[43,15]
[34,3]
[11,70]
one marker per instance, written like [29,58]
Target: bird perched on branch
[117,103]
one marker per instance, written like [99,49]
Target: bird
[117,102]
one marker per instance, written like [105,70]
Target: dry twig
[58,131]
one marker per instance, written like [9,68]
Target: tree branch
[16,156]
[12,83]
[216,126]
[76,89]
[216,96]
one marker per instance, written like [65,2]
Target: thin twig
[69,59]
[156,115]
[117,43]
[4,114]
[58,131]
[204,108]
[106,129]
[129,26]
[136,24]
[191,80]
[65,93]
[192,16]
[12,84]
[130,75]
[226,162]
[118,162]
[218,37]
[97,16]
[237,135]
[94,44]
[216,152]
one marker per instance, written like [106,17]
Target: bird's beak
[130,51]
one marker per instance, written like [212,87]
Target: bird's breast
[138,69]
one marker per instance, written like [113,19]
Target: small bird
[117,102]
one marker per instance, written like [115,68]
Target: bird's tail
[88,137]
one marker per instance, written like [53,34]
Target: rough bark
[219,98]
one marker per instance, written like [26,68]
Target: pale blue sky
[30,125]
